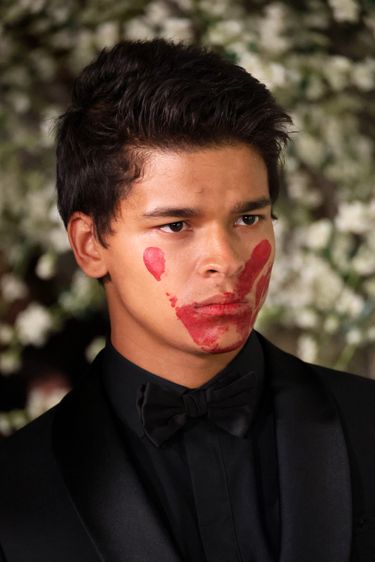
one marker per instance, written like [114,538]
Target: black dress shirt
[217,493]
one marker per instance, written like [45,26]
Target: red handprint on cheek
[207,324]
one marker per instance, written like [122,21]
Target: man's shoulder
[353,394]
[38,434]
[332,377]
[27,445]
[343,381]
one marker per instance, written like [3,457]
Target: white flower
[9,362]
[317,235]
[106,34]
[138,29]
[307,348]
[58,239]
[354,337]
[21,102]
[157,12]
[93,348]
[341,250]
[349,303]
[272,74]
[6,333]
[369,287]
[47,122]
[337,71]
[32,6]
[364,261]
[307,318]
[224,32]
[5,425]
[39,400]
[345,10]
[33,325]
[46,266]
[272,29]
[331,324]
[217,8]
[177,29]
[354,217]
[363,74]
[310,149]
[315,87]
[321,281]
[81,295]
[371,334]
[12,288]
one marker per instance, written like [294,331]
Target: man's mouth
[222,305]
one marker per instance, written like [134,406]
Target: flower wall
[318,59]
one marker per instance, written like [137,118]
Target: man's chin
[225,345]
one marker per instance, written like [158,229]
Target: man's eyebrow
[253,205]
[189,212]
[181,212]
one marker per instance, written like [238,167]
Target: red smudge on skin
[262,288]
[206,330]
[154,260]
[172,300]
[253,267]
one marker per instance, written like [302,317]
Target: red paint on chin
[206,328]
[207,324]
[154,260]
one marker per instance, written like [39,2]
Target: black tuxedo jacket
[69,493]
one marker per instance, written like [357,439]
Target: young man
[192,437]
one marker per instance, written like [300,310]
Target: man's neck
[185,368]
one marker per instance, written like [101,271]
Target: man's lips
[222,299]
[222,306]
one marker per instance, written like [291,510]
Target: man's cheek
[154,260]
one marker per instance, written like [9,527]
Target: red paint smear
[154,260]
[253,267]
[206,331]
[262,288]
[173,301]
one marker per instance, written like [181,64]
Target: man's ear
[88,250]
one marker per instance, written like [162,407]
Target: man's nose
[221,255]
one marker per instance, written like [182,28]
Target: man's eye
[173,227]
[249,220]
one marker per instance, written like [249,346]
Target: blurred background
[317,57]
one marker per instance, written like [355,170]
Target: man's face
[191,252]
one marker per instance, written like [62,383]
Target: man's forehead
[233,175]
[189,212]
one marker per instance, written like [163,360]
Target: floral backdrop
[317,57]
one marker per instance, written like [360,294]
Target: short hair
[156,94]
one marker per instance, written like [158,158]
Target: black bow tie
[229,405]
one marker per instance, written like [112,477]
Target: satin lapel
[315,489]
[104,487]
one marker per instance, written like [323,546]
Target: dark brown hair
[156,94]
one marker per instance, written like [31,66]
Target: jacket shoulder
[30,445]
[353,397]
[353,392]
[37,517]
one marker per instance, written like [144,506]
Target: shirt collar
[122,379]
